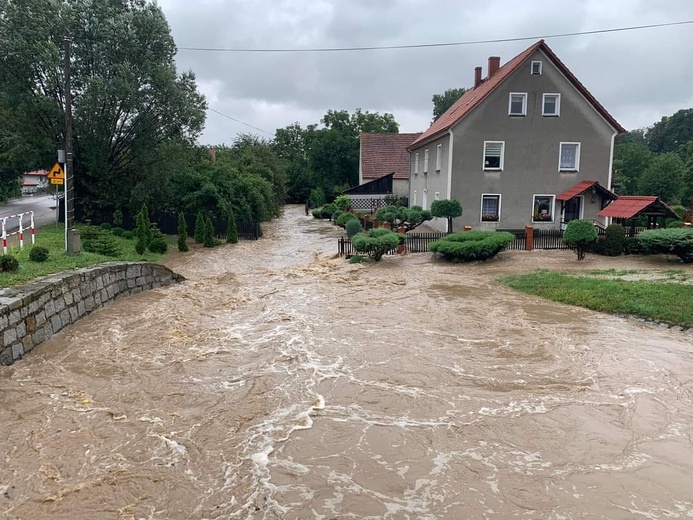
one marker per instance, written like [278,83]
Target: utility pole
[72,242]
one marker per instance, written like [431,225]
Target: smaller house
[33,181]
[385,154]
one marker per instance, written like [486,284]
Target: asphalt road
[43,207]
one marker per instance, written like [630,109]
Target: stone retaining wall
[31,314]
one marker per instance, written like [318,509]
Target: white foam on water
[175,447]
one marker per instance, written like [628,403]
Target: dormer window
[536,68]
[518,104]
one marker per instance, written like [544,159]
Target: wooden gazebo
[628,207]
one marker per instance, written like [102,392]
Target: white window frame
[531,68]
[558,104]
[577,157]
[414,201]
[553,208]
[439,157]
[502,157]
[424,201]
[524,104]
[481,209]
[426,161]
[437,196]
[416,163]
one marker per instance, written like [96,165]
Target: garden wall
[31,314]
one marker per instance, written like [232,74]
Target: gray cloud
[639,76]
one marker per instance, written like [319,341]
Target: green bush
[356,259]
[468,246]
[38,254]
[140,247]
[399,216]
[128,235]
[448,209]
[352,227]
[104,244]
[336,215]
[105,226]
[117,231]
[614,240]
[677,242]
[396,200]
[209,239]
[89,232]
[182,233]
[317,198]
[580,234]
[376,242]
[632,246]
[325,211]
[342,203]
[200,226]
[8,264]
[117,218]
[158,245]
[675,224]
[346,217]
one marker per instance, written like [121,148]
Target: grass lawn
[53,238]
[660,301]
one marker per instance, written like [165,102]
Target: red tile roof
[37,173]
[584,186]
[382,154]
[628,206]
[473,97]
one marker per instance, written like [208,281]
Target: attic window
[536,68]
[517,104]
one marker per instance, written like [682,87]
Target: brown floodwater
[279,382]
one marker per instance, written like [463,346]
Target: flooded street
[281,383]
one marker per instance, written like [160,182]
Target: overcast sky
[639,76]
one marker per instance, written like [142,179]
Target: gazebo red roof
[629,206]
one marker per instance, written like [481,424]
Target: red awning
[583,186]
[629,206]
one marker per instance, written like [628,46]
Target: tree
[376,242]
[182,233]
[671,132]
[209,239]
[442,102]
[580,234]
[663,177]
[200,226]
[446,208]
[128,98]
[631,160]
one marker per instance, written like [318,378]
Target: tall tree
[671,132]
[663,178]
[442,102]
[128,98]
[631,160]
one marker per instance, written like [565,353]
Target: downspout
[452,142]
[607,220]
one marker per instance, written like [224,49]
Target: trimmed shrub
[468,246]
[325,211]
[675,224]
[399,216]
[89,232]
[140,248]
[182,233]
[580,234]
[117,231]
[128,235]
[38,254]
[342,202]
[632,246]
[356,259]
[105,244]
[209,239]
[448,209]
[614,240]
[158,245]
[200,226]
[105,226]
[8,264]
[336,215]
[376,242]
[677,242]
[346,217]
[352,227]
[231,229]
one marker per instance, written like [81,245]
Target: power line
[447,44]
[241,122]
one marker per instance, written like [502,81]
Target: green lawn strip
[666,302]
[53,238]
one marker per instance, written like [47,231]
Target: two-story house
[528,145]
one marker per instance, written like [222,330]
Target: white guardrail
[20,231]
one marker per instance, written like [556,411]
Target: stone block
[9,336]
[39,336]
[131,283]
[65,317]
[69,300]
[104,295]
[111,291]
[40,318]
[81,309]
[140,281]
[6,356]
[47,331]
[76,295]
[49,309]
[59,303]
[28,344]
[17,351]
[99,283]
[56,323]
[15,316]
[21,330]
[97,299]
[31,324]
[4,321]
[89,303]
[74,315]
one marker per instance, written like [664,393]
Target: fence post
[33,229]
[387,225]
[21,232]
[529,238]
[4,237]
[375,222]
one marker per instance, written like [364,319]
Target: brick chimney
[477,77]
[493,65]
[212,154]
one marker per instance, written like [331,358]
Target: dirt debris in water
[281,382]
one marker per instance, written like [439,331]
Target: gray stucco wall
[33,313]
[532,144]
[433,181]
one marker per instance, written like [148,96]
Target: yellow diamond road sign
[56,173]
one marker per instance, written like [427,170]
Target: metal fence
[415,243]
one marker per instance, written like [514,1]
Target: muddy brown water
[280,382]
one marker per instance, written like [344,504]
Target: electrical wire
[241,122]
[430,45]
